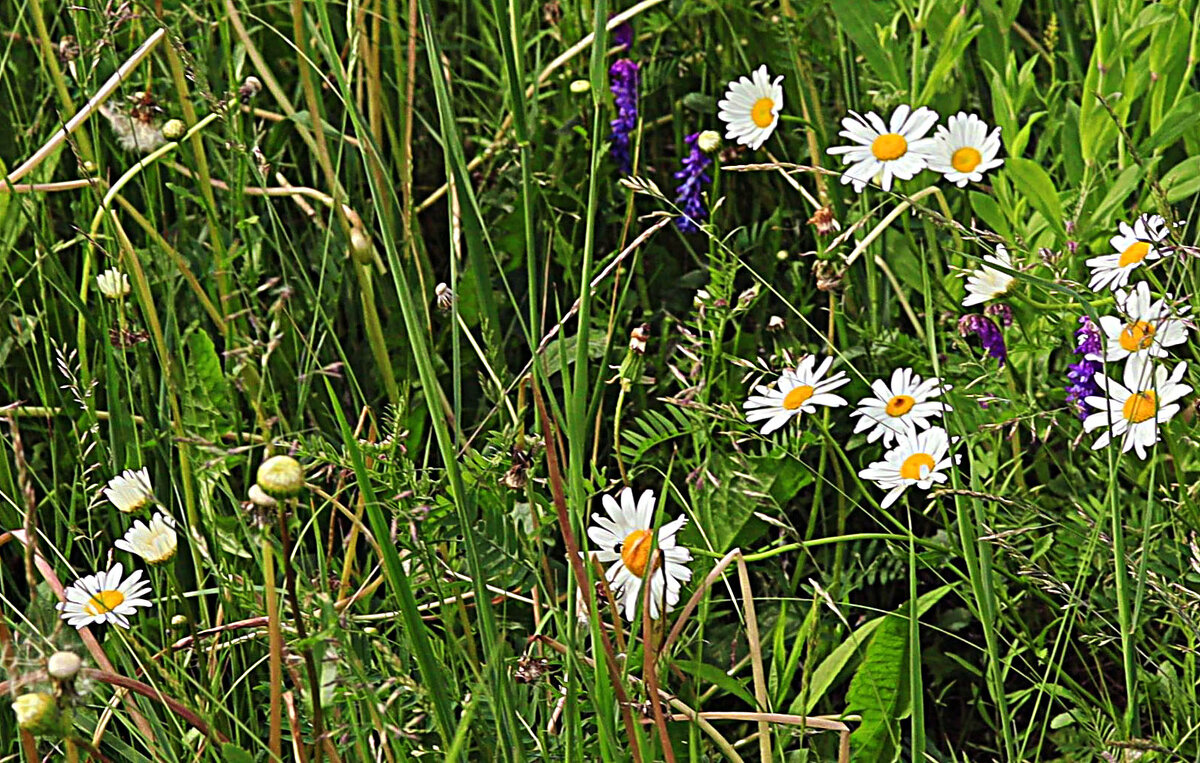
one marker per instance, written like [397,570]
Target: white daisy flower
[750,108]
[896,150]
[1132,411]
[984,283]
[624,537]
[1135,245]
[799,391]
[130,490]
[902,406]
[155,542]
[964,150]
[104,598]
[919,458]
[1149,326]
[113,284]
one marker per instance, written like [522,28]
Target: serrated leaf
[875,692]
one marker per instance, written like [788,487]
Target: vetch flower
[919,458]
[984,282]
[690,193]
[1135,246]
[1081,374]
[104,598]
[751,106]
[113,284]
[899,407]
[130,490]
[898,149]
[990,336]
[155,542]
[1147,328]
[622,34]
[1132,411]
[964,150]
[798,391]
[624,536]
[623,81]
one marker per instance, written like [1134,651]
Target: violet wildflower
[623,80]
[1082,373]
[690,193]
[622,34]
[988,332]
[1000,312]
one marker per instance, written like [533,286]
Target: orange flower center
[635,551]
[105,601]
[1137,336]
[965,159]
[763,112]
[1133,254]
[912,466]
[1140,406]
[889,146]
[796,398]
[900,405]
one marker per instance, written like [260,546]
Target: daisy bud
[260,498]
[781,255]
[251,86]
[775,324]
[113,284]
[580,86]
[709,141]
[38,713]
[62,666]
[174,129]
[179,622]
[281,477]
[361,247]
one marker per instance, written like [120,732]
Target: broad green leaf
[1124,185]
[859,19]
[207,400]
[1183,180]
[875,692]
[986,208]
[717,677]
[825,674]
[1182,119]
[1031,181]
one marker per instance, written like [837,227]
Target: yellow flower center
[1137,336]
[796,398]
[1140,406]
[105,601]
[635,551]
[965,159]
[912,466]
[1134,253]
[889,146]
[900,405]
[762,113]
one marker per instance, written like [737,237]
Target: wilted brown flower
[827,275]
[824,221]
[638,338]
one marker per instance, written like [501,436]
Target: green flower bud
[174,129]
[361,248]
[39,714]
[281,477]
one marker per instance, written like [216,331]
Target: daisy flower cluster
[1146,325]
[111,596]
[900,414]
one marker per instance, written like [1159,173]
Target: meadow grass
[343,328]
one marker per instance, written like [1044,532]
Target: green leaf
[875,692]
[1183,180]
[1124,185]
[825,674]
[1030,180]
[859,20]
[717,677]
[231,753]
[989,211]
[207,401]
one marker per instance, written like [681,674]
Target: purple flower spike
[623,80]
[622,34]
[988,332]
[1082,373]
[690,193]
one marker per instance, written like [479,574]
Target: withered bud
[638,338]
[444,296]
[251,86]
[827,275]
[824,221]
[68,49]
[530,670]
